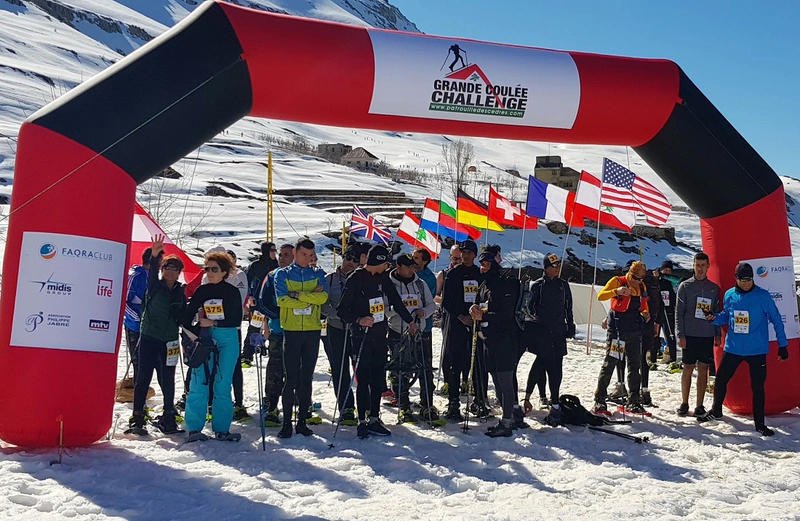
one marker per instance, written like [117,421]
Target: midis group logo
[468,90]
[53,287]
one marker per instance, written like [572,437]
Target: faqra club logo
[468,90]
[48,251]
[53,287]
[762,271]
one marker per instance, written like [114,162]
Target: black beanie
[667,264]
[744,271]
[551,259]
[378,255]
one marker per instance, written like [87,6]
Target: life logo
[762,271]
[105,287]
[48,251]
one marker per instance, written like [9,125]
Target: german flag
[474,213]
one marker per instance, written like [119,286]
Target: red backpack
[621,303]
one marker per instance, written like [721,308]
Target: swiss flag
[504,212]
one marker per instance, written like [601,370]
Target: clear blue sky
[744,56]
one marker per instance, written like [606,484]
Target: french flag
[552,203]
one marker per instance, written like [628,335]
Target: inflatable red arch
[83,155]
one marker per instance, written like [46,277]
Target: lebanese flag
[411,232]
[144,228]
[551,202]
[588,205]
[504,212]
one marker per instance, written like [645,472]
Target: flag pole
[566,239]
[486,230]
[522,246]
[344,236]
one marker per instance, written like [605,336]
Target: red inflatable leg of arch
[41,387]
[726,249]
[87,150]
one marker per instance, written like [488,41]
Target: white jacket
[418,296]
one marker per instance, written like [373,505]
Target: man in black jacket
[666,318]
[460,289]
[551,303]
[256,273]
[367,294]
[494,309]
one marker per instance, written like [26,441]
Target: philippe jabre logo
[467,89]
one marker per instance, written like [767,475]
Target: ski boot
[136,424]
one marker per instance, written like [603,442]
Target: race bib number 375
[213,309]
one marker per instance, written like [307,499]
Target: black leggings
[370,353]
[300,351]
[548,367]
[758,375]
[153,356]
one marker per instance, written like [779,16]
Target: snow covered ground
[687,471]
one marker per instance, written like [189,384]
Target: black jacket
[231,304]
[257,272]
[453,299]
[551,301]
[361,286]
[666,288]
[501,295]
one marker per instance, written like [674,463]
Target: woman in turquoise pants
[219,306]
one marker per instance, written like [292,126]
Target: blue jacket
[266,303]
[430,279]
[754,310]
[137,285]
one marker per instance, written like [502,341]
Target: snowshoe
[544,403]
[375,426]
[136,424]
[479,410]
[675,368]
[240,414]
[652,366]
[600,408]
[406,416]
[443,391]
[388,394]
[619,395]
[454,413]
[302,428]
[501,430]
[228,436]
[272,419]
[431,416]
[466,390]
[349,417]
[634,408]
[247,363]
[555,418]
[195,436]
[313,419]
[181,403]
[166,424]
[391,403]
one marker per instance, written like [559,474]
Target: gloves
[257,340]
[783,352]
[571,330]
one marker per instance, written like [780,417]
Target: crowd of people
[375,314]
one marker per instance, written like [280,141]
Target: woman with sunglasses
[220,308]
[162,309]
[747,309]
[626,318]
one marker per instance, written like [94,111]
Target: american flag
[367,226]
[625,190]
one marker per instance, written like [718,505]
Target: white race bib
[213,309]
[173,352]
[257,319]
[703,305]
[470,291]
[665,297]
[377,309]
[410,301]
[617,349]
[741,322]
[306,311]
[323,327]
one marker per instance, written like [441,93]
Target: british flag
[367,226]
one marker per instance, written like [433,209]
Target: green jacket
[162,308]
[300,304]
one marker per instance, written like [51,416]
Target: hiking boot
[195,436]
[349,417]
[647,401]
[683,410]
[555,418]
[479,410]
[375,426]
[247,363]
[272,418]
[502,430]
[765,431]
[136,424]
[454,413]
[228,436]
[619,393]
[635,408]
[362,431]
[600,408]
[286,431]
[181,403]
[303,429]
[518,419]
[699,411]
[166,423]
[709,416]
[240,414]
[406,416]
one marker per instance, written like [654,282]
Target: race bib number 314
[470,290]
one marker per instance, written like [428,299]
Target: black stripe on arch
[705,160]
[105,109]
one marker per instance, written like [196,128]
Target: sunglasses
[351,257]
[212,269]
[455,258]
[745,279]
[638,278]
[170,267]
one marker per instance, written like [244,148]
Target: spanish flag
[474,213]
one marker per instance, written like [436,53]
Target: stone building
[333,151]
[361,159]
[551,170]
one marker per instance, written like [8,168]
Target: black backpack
[576,414]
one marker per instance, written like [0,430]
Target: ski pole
[259,365]
[465,428]
[445,61]
[338,391]
[428,393]
[350,388]
[635,439]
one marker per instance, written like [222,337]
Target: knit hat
[667,264]
[405,259]
[469,245]
[551,259]
[744,271]
[378,255]
[487,256]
